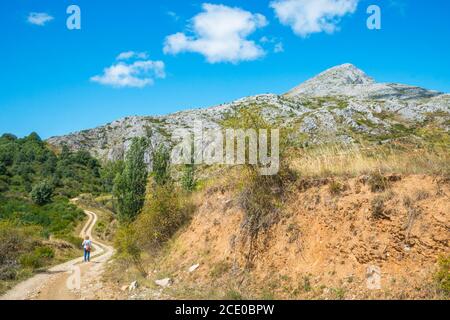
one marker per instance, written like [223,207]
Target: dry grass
[353,160]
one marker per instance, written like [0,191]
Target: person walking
[87,245]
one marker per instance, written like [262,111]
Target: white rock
[133,286]
[163,282]
[373,277]
[194,267]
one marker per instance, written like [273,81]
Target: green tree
[188,181]
[109,172]
[65,152]
[42,193]
[161,165]
[130,185]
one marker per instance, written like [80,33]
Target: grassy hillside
[313,231]
[37,220]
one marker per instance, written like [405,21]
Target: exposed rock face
[343,79]
[342,104]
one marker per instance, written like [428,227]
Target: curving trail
[72,280]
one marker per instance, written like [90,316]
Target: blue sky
[53,80]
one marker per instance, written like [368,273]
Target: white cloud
[312,16]
[132,54]
[220,34]
[138,74]
[278,47]
[39,18]
[173,15]
[264,39]
[273,41]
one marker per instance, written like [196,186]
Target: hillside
[351,242]
[341,104]
[37,220]
[358,210]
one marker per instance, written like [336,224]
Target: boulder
[163,282]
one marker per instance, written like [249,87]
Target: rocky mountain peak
[335,105]
[334,80]
[345,74]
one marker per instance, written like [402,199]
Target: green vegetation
[378,182]
[42,193]
[127,246]
[165,211]
[161,164]
[57,218]
[220,269]
[339,293]
[442,276]
[35,186]
[109,172]
[378,210]
[306,285]
[261,197]
[15,243]
[129,185]
[188,180]
[336,187]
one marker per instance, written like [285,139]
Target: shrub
[126,244]
[165,211]
[188,181]
[12,243]
[306,285]
[378,207]
[413,213]
[378,182]
[30,260]
[8,272]
[73,240]
[339,293]
[260,199]
[37,258]
[220,269]
[442,276]
[420,195]
[336,187]
[45,252]
[42,193]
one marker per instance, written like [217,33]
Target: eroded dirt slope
[354,243]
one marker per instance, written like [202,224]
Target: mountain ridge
[340,102]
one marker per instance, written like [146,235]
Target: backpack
[88,246]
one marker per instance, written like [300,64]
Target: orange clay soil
[323,245]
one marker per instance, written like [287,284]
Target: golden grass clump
[354,160]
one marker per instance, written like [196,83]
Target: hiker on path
[87,245]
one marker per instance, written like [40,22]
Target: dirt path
[73,280]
